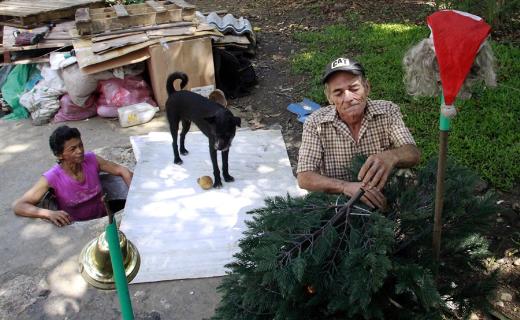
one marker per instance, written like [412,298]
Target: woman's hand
[59,218]
[372,197]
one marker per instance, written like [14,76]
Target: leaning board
[182,231]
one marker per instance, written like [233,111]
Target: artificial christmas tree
[321,257]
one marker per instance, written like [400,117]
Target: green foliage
[495,12]
[367,265]
[484,136]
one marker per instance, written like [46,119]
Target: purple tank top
[81,200]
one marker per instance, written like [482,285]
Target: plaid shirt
[328,146]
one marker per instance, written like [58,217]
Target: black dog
[213,119]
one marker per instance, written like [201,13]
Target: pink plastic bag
[71,112]
[115,93]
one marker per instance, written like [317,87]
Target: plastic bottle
[136,114]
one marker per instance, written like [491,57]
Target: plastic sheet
[14,87]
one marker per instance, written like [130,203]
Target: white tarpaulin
[182,231]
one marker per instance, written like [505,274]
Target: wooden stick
[439,198]
[159,26]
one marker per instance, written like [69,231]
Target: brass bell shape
[96,267]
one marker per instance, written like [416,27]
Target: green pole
[118,268]
[444,127]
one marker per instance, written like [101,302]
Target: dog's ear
[237,121]
[218,96]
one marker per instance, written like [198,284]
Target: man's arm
[115,169]
[374,173]
[26,205]
[314,181]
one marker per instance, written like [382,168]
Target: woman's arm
[115,169]
[26,205]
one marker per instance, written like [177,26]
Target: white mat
[182,231]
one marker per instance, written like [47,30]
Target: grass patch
[485,134]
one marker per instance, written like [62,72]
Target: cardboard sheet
[193,57]
[182,231]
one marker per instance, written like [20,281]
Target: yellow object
[205,182]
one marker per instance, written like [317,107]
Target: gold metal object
[96,267]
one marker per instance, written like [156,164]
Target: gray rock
[505,296]
[516,206]
[481,187]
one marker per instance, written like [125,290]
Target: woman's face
[73,151]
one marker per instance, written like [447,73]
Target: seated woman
[74,180]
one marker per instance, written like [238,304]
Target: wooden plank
[171,15]
[23,8]
[112,36]
[44,59]
[171,32]
[25,13]
[86,57]
[183,4]
[57,37]
[188,10]
[138,29]
[129,58]
[157,7]
[104,46]
[120,10]
[82,15]
[145,14]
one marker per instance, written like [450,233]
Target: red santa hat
[457,38]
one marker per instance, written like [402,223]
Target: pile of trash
[103,60]
[51,94]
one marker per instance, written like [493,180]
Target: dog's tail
[174,76]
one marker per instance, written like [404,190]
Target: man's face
[348,92]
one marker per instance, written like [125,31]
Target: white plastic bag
[136,114]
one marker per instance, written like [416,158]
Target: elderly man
[353,125]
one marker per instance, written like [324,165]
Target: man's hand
[372,197]
[59,218]
[374,173]
[376,169]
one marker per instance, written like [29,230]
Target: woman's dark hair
[59,136]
